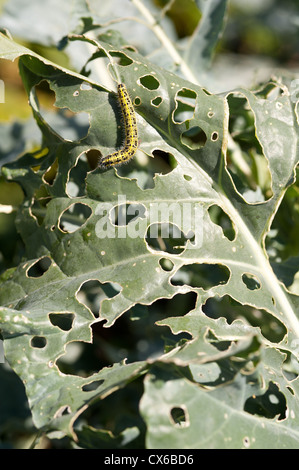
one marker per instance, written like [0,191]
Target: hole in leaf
[157,101]
[149,82]
[38,342]
[246,161]
[251,281]
[180,304]
[179,417]
[136,336]
[203,275]
[92,293]
[246,441]
[221,345]
[40,202]
[71,126]
[74,217]
[291,390]
[166,264]
[39,267]
[208,93]
[167,237]
[64,321]
[214,136]
[93,156]
[163,161]
[185,105]
[76,181]
[194,138]
[50,174]
[124,60]
[79,359]
[282,241]
[270,91]
[45,95]
[270,326]
[269,405]
[129,338]
[64,410]
[126,213]
[219,217]
[92,386]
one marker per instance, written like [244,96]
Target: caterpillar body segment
[131,134]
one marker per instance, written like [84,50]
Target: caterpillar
[131,136]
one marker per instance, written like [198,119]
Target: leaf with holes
[173,407]
[175,241]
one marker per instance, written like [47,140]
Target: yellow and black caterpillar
[131,135]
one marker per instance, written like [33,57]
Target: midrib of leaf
[162,36]
[259,256]
[262,262]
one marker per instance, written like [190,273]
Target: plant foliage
[183,329]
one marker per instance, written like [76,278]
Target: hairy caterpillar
[131,136]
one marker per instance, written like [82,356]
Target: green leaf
[206,36]
[228,426]
[149,232]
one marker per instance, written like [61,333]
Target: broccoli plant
[155,304]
